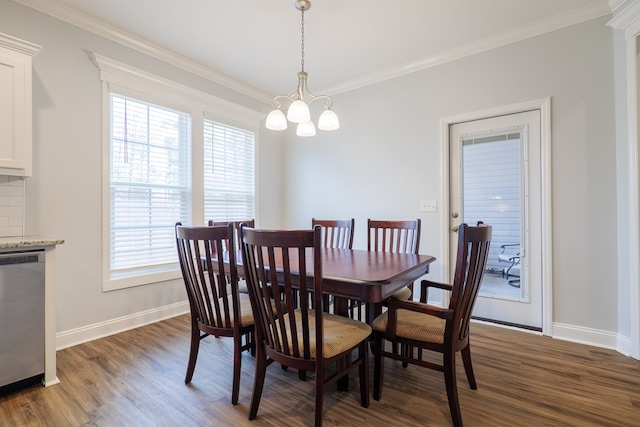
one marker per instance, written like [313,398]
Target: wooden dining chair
[336,233]
[217,307]
[420,326]
[242,284]
[303,336]
[236,224]
[398,237]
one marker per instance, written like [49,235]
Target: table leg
[373,311]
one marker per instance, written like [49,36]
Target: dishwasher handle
[20,258]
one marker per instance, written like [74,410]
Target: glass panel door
[491,187]
[495,177]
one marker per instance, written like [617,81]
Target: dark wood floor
[136,378]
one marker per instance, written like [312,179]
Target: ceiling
[348,43]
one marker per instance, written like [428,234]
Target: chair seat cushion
[414,325]
[340,333]
[402,294]
[246,315]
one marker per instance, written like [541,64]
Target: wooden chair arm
[395,305]
[426,284]
[443,313]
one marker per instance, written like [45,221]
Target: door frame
[544,105]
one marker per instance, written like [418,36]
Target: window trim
[125,80]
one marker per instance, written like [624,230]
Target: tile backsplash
[11,206]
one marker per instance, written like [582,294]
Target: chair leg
[394,348]
[449,364]
[258,381]
[406,351]
[252,340]
[468,367]
[378,367]
[319,395]
[341,365]
[193,353]
[237,367]
[363,354]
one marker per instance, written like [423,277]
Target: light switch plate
[428,206]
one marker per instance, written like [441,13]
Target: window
[150,184]
[167,160]
[228,172]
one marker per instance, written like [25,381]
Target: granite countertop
[27,242]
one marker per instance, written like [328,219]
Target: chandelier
[298,111]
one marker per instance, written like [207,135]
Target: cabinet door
[15,113]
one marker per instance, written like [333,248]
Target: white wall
[381,163]
[386,156]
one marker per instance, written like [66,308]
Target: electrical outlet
[428,206]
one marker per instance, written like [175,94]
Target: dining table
[355,274]
[366,276]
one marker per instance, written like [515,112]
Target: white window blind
[150,184]
[229,182]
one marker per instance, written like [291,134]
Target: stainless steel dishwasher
[21,318]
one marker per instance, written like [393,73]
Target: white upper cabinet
[15,105]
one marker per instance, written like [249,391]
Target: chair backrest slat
[471,261]
[212,286]
[275,264]
[393,236]
[336,233]
[236,225]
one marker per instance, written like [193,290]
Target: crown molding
[557,22]
[626,16]
[18,45]
[86,22]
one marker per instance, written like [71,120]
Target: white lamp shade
[298,112]
[276,120]
[328,120]
[306,129]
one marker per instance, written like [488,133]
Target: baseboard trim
[110,327]
[589,336]
[624,345]
[578,334]
[509,324]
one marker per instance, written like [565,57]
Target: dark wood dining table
[367,276]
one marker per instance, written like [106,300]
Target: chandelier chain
[302,40]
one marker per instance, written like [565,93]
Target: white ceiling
[348,43]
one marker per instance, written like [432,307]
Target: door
[495,176]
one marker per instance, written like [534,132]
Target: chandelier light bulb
[298,112]
[276,120]
[328,120]
[306,129]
